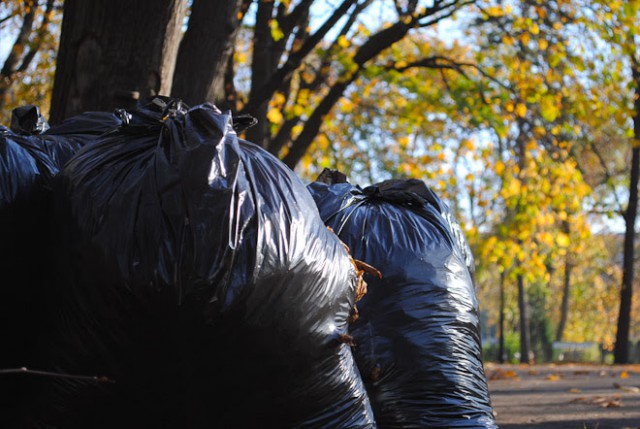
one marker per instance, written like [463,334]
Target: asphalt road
[565,396]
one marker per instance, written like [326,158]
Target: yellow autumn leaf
[278,100]
[276,31]
[494,11]
[274,116]
[298,110]
[343,42]
[507,40]
[534,29]
[511,374]
[543,44]
[509,106]
[521,110]
[514,187]
[322,142]
[539,131]
[562,240]
[548,108]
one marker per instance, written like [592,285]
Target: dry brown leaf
[613,401]
[364,267]
[632,389]
[501,374]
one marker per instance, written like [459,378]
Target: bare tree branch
[23,370]
[40,35]
[295,59]
[11,63]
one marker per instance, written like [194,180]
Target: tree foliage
[29,29]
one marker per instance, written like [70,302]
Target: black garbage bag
[27,120]
[198,282]
[417,338]
[63,140]
[31,155]
[25,175]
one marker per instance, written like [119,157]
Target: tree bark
[262,68]
[267,76]
[205,51]
[112,54]
[621,352]
[501,350]
[525,338]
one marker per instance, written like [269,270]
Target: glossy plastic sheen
[195,272]
[417,340]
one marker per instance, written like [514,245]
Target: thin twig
[23,370]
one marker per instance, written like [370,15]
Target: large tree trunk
[621,352]
[113,53]
[205,51]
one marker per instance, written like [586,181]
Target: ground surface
[565,396]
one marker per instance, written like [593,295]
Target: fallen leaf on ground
[552,377]
[574,390]
[501,374]
[633,389]
[603,401]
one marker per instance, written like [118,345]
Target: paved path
[565,396]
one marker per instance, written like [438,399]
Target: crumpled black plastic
[195,276]
[417,338]
[27,120]
[31,156]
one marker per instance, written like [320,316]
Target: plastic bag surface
[31,155]
[25,174]
[196,276]
[417,338]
